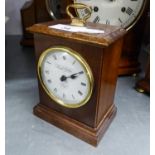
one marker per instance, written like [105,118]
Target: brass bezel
[81,60]
[127,28]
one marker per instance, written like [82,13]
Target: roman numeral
[83,84]
[119,19]
[55,89]
[64,95]
[129,11]
[48,62]
[49,81]
[64,58]
[80,93]
[54,56]
[73,96]
[96,20]
[108,22]
[74,62]
[47,72]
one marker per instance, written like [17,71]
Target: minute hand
[73,76]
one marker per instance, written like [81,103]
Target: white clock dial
[114,12]
[65,76]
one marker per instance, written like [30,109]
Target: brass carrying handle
[77,21]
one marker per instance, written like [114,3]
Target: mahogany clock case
[90,121]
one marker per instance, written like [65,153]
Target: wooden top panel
[111,34]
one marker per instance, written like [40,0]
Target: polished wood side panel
[109,73]
[76,128]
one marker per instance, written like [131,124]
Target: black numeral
[55,89]
[108,22]
[73,96]
[96,20]
[47,72]
[83,84]
[48,62]
[64,95]
[54,56]
[119,19]
[74,62]
[80,93]
[64,57]
[49,81]
[129,11]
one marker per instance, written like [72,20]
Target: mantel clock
[77,74]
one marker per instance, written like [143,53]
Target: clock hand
[63,78]
[73,76]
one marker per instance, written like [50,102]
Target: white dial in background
[114,12]
[65,76]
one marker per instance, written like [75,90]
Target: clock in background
[37,11]
[124,13]
[130,14]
